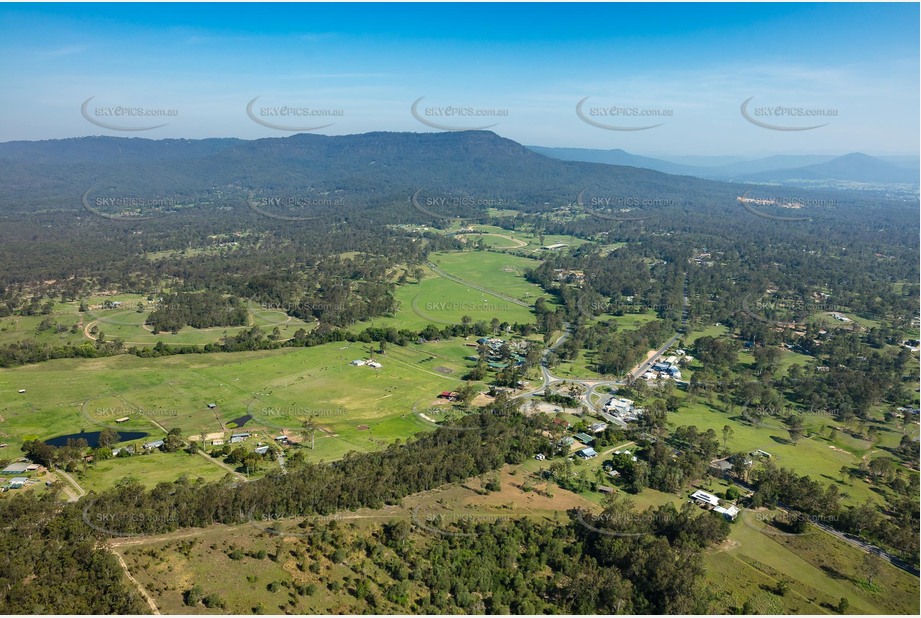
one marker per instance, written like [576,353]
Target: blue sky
[692,65]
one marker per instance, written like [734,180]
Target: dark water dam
[92,437]
[239,422]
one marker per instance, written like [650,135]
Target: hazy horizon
[652,155]
[654,80]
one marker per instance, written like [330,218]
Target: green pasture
[278,388]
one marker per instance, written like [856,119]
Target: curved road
[592,384]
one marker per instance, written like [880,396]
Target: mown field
[515,241]
[440,301]
[356,408]
[127,323]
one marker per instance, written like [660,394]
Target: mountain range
[380,168]
[782,169]
[377,174]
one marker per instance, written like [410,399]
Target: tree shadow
[780,440]
[835,573]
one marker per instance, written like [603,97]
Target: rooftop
[16,468]
[702,496]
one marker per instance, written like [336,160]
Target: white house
[619,405]
[705,499]
[729,513]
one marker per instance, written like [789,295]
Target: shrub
[193,595]
[213,601]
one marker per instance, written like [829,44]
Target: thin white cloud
[68,50]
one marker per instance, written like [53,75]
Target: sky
[653,79]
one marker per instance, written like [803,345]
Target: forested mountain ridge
[373,168]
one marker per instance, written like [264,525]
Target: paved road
[80,491]
[645,365]
[590,385]
[869,548]
[847,538]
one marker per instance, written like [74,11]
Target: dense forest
[198,310]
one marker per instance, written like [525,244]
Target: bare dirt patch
[482,400]
[512,494]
